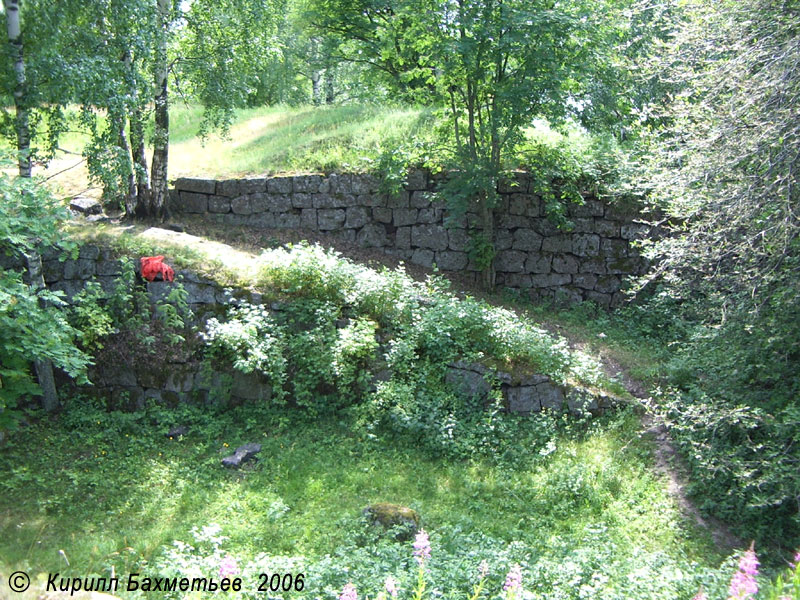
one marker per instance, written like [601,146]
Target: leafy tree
[495,65]
[31,318]
[726,167]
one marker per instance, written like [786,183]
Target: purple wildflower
[701,595]
[796,562]
[749,563]
[391,586]
[513,579]
[422,547]
[483,569]
[228,567]
[348,592]
[743,582]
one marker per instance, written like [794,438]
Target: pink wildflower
[228,567]
[796,562]
[513,579]
[422,547]
[348,592]
[743,582]
[390,585]
[701,595]
[749,563]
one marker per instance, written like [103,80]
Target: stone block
[404,216]
[278,203]
[264,220]
[356,217]
[372,235]
[508,221]
[229,188]
[550,280]
[564,263]
[634,231]
[403,238]
[590,208]
[433,237]
[558,243]
[429,215]
[341,183]
[302,200]
[89,252]
[448,260]
[523,400]
[622,266]
[586,244]
[585,225]
[108,268]
[328,219]
[551,396]
[510,261]
[457,239]
[545,227]
[503,240]
[287,220]
[422,257]
[596,266]
[527,240]
[364,184]
[398,200]
[79,269]
[467,382]
[585,281]
[608,284]
[614,248]
[242,206]
[607,229]
[200,186]
[602,300]
[416,180]
[382,215]
[194,203]
[280,185]
[539,263]
[306,184]
[421,199]
[52,270]
[252,186]
[308,218]
[219,204]
[325,201]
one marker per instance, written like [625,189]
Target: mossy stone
[401,520]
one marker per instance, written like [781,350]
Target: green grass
[121,492]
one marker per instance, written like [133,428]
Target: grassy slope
[267,140]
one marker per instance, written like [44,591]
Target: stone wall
[587,262]
[179,375]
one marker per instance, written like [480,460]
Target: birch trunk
[44,368]
[22,121]
[158,173]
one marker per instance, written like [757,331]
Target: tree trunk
[158,174]
[22,121]
[44,368]
[316,92]
[330,94]
[143,192]
[131,198]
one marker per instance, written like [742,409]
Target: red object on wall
[154,265]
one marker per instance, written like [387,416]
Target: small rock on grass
[241,454]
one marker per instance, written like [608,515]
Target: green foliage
[32,320]
[581,514]
[723,169]
[124,323]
